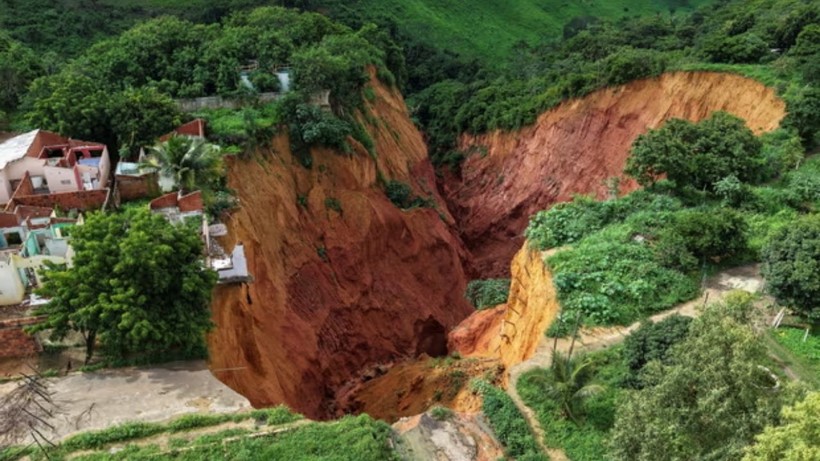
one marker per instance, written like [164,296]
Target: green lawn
[801,357]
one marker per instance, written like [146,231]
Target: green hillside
[488,29]
[481,29]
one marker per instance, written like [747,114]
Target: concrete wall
[12,290]
[60,179]
[218,102]
[5,188]
[18,168]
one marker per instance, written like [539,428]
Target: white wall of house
[12,290]
[5,188]
[17,169]
[60,179]
[57,247]
[105,168]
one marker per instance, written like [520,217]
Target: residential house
[30,237]
[40,168]
[182,208]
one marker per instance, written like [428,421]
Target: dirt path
[746,278]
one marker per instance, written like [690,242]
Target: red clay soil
[575,147]
[335,292]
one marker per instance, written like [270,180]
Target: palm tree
[569,384]
[193,163]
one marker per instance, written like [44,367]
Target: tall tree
[796,439]
[137,285]
[696,155]
[140,115]
[709,401]
[792,267]
[192,162]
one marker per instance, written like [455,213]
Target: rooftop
[16,147]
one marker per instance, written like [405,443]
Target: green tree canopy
[19,66]
[653,341]
[697,155]
[139,115]
[791,265]
[192,162]
[796,439]
[137,285]
[709,401]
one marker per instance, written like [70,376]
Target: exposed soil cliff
[343,278]
[488,343]
[511,332]
[575,147]
[346,282]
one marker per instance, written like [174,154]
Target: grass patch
[508,423]
[803,358]
[133,431]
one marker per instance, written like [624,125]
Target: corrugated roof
[16,147]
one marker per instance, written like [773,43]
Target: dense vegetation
[681,407]
[600,52]
[792,266]
[119,91]
[137,286]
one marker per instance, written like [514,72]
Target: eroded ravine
[576,147]
[343,279]
[337,293]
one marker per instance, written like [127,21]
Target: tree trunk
[90,340]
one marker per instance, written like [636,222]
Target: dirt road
[88,401]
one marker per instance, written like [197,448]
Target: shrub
[652,341]
[612,278]
[487,293]
[743,48]
[569,222]
[712,233]
[399,193]
[629,64]
[441,413]
[334,204]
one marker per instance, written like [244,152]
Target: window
[65,182]
[13,238]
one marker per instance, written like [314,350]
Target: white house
[55,164]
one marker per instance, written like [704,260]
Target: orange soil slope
[335,292]
[511,332]
[575,147]
[489,342]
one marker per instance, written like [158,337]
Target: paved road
[88,401]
